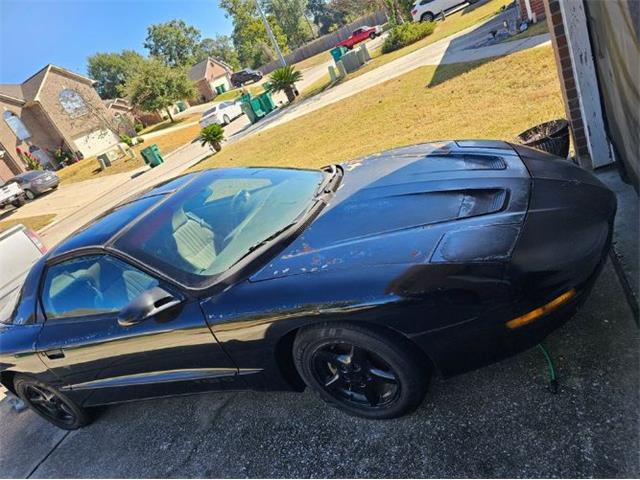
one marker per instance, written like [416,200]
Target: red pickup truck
[360,35]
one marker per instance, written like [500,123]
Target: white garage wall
[96,142]
[221,81]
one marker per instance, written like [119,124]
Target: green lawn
[496,98]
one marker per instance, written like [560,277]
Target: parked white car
[428,10]
[11,194]
[222,113]
[20,248]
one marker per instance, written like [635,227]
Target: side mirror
[146,305]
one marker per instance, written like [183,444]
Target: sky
[34,33]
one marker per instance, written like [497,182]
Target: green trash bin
[338,52]
[152,155]
[266,102]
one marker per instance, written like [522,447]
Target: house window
[73,103]
[17,127]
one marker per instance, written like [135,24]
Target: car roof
[101,229]
[29,174]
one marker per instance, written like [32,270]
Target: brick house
[210,76]
[53,108]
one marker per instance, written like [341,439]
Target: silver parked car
[36,182]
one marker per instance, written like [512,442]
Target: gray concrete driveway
[500,421]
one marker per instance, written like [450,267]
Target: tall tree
[156,86]
[249,35]
[111,71]
[174,42]
[290,16]
[325,16]
[352,9]
[220,47]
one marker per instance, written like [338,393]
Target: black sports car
[358,280]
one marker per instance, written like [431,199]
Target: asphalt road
[500,421]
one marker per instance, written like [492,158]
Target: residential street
[500,421]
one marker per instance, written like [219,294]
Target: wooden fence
[325,42]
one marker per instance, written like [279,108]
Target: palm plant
[284,79]
[212,135]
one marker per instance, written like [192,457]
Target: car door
[98,359]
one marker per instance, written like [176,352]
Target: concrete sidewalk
[500,421]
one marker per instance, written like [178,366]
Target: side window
[91,285]
[15,124]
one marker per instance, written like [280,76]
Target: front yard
[88,168]
[495,98]
[454,23]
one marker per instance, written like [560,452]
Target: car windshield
[217,219]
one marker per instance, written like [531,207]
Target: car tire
[19,202]
[372,35]
[29,195]
[384,376]
[427,17]
[51,404]
[226,120]
[55,187]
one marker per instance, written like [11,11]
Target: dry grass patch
[467,17]
[496,98]
[88,168]
[167,123]
[35,223]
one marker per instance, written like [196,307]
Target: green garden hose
[553,376]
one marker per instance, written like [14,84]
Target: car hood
[439,202]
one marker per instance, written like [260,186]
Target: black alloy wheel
[51,404]
[355,375]
[364,372]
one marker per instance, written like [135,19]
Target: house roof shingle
[28,90]
[12,90]
[199,70]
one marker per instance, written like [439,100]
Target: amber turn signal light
[540,311]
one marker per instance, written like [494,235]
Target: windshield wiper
[267,240]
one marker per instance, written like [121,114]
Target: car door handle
[54,354]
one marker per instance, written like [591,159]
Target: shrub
[212,135]
[406,34]
[140,139]
[284,79]
[139,127]
[126,139]
[31,162]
